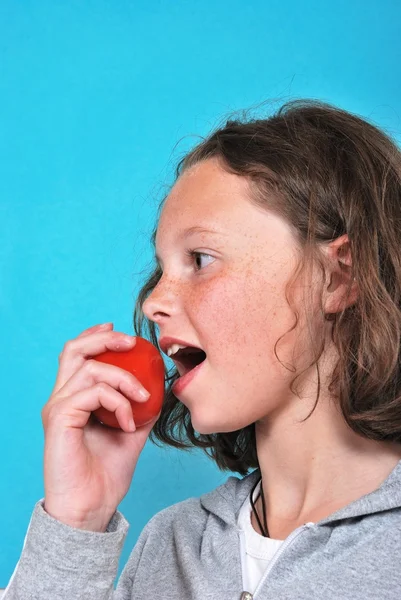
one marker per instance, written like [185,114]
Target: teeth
[173,349]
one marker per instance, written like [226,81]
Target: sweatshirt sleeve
[59,561]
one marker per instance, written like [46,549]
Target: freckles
[207,300]
[217,309]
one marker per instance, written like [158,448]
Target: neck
[312,469]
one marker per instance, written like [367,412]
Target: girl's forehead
[207,182]
[208,196]
[208,199]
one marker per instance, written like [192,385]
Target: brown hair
[331,173]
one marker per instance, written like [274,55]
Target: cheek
[216,309]
[237,313]
[239,319]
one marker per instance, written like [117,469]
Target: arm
[59,561]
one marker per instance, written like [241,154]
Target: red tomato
[145,362]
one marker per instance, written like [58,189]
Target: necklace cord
[264,530]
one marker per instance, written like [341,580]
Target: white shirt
[258,550]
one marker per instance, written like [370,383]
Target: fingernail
[105,325]
[144,394]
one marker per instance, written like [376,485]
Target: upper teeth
[173,349]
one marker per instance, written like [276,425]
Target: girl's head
[297,279]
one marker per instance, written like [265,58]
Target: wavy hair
[327,172]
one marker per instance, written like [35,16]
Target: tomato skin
[145,362]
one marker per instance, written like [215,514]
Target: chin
[209,427]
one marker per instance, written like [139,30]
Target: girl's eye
[193,255]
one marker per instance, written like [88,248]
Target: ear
[339,277]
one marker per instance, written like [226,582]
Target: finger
[74,412]
[100,327]
[77,351]
[93,372]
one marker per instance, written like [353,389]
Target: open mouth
[187,359]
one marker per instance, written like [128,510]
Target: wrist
[93,524]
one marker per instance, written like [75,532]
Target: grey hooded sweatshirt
[195,550]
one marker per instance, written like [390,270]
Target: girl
[278,256]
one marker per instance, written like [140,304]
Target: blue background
[98,100]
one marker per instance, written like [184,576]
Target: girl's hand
[88,467]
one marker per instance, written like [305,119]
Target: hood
[226,500]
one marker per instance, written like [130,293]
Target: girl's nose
[160,304]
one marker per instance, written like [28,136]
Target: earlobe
[338,296]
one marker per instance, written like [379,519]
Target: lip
[184,380]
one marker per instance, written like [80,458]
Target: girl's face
[229,299]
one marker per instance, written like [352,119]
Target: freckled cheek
[238,318]
[226,315]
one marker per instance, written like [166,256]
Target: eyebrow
[186,233]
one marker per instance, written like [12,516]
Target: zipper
[289,540]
